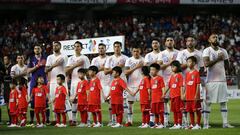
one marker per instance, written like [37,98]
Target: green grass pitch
[215,122]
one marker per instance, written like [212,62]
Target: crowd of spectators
[19,36]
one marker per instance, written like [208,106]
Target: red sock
[64,118]
[143,117]
[94,117]
[82,117]
[179,118]
[147,117]
[58,118]
[175,116]
[38,118]
[85,117]
[99,114]
[119,118]
[156,118]
[161,118]
[43,117]
[199,115]
[192,118]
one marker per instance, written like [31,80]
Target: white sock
[152,117]
[166,114]
[130,113]
[69,113]
[184,118]
[74,112]
[89,118]
[125,107]
[206,113]
[224,112]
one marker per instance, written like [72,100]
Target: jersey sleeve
[128,61]
[180,81]
[48,63]
[123,84]
[205,53]
[99,84]
[30,63]
[198,79]
[13,71]
[86,62]
[180,57]
[225,54]
[94,63]
[65,60]
[108,63]
[147,83]
[69,62]
[159,57]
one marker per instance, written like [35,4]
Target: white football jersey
[216,73]
[75,59]
[184,54]
[16,70]
[151,58]
[166,56]
[113,61]
[135,77]
[51,59]
[99,62]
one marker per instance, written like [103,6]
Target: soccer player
[157,94]
[6,84]
[176,94]
[144,88]
[117,87]
[182,58]
[81,95]
[74,63]
[55,65]
[94,97]
[165,59]
[133,67]
[20,69]
[117,59]
[40,94]
[152,57]
[36,67]
[22,100]
[99,62]
[192,93]
[149,59]
[216,60]
[59,101]
[188,52]
[13,109]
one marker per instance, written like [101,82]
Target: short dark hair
[193,58]
[145,70]
[57,42]
[155,65]
[136,47]
[93,68]
[61,76]
[117,42]
[22,81]
[37,44]
[82,70]
[178,65]
[13,81]
[118,70]
[102,44]
[155,39]
[78,42]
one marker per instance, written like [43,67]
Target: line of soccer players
[119,80]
